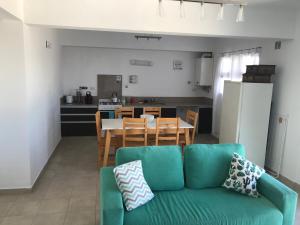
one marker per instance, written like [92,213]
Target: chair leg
[99,155]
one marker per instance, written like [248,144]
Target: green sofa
[188,191]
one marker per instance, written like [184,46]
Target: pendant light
[182,10]
[221,12]
[202,10]
[161,12]
[240,15]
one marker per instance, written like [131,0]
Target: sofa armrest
[282,196]
[111,203]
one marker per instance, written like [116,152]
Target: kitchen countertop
[139,105]
[170,105]
[74,105]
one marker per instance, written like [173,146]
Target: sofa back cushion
[207,166]
[162,165]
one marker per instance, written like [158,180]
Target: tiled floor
[67,193]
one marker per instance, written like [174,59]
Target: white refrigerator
[245,117]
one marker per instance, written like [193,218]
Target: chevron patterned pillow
[132,184]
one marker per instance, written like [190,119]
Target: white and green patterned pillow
[132,184]
[243,176]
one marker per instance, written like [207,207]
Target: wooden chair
[124,112]
[155,111]
[135,131]
[101,140]
[192,118]
[167,130]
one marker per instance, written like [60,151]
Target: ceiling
[290,4]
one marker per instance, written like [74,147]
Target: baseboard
[29,189]
[46,165]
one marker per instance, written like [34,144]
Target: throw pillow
[132,184]
[243,176]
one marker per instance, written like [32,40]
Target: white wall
[286,90]
[14,151]
[81,66]
[43,93]
[14,7]
[142,16]
[30,90]
[85,38]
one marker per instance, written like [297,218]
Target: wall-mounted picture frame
[177,65]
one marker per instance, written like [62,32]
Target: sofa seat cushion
[216,206]
[162,165]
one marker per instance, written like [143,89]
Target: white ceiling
[290,4]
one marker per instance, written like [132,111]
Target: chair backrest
[192,118]
[167,129]
[155,111]
[124,112]
[134,130]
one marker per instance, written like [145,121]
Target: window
[230,67]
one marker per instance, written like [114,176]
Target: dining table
[114,127]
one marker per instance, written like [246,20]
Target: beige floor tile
[84,191]
[53,206]
[81,203]
[4,207]
[8,198]
[25,208]
[34,196]
[49,219]
[17,220]
[81,218]
[54,193]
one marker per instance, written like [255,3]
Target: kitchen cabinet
[138,112]
[165,112]
[78,121]
[205,120]
[204,71]
[168,112]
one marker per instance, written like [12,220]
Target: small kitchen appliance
[114,97]
[69,99]
[88,98]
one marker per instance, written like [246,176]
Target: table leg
[187,136]
[107,147]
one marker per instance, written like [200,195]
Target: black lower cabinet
[78,121]
[205,121]
[78,129]
[138,112]
[168,112]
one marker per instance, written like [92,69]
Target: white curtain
[230,67]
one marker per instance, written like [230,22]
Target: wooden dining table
[115,127]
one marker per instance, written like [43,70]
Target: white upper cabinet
[204,71]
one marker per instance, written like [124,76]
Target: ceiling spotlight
[240,15]
[221,12]
[182,10]
[161,12]
[202,10]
